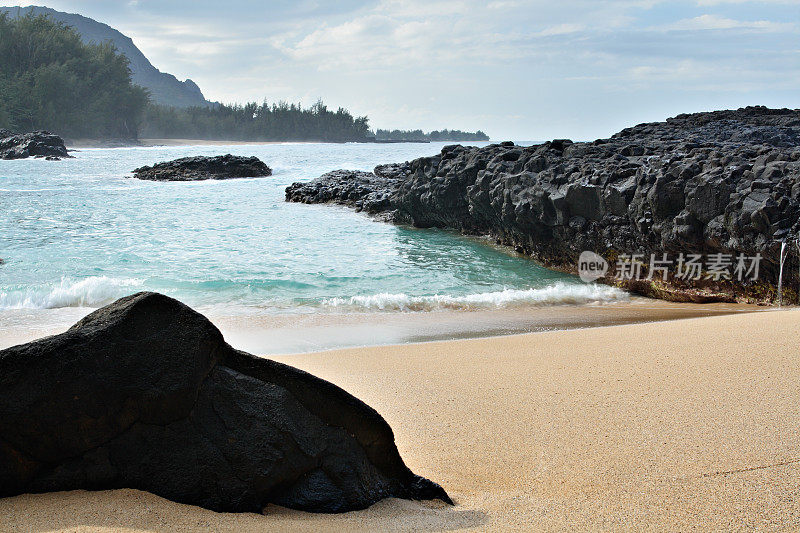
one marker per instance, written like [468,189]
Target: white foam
[556,294]
[89,292]
[96,291]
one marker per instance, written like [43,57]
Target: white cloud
[431,34]
[397,35]
[562,29]
[709,3]
[716,22]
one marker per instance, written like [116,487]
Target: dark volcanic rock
[719,182]
[199,168]
[357,189]
[36,144]
[146,394]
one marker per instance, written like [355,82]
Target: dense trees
[279,122]
[436,135]
[253,122]
[50,80]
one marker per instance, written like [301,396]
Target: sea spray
[90,292]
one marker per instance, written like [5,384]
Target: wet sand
[301,333]
[668,426]
[316,332]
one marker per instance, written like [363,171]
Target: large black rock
[146,394]
[35,144]
[724,182]
[198,168]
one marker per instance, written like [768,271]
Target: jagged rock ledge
[146,394]
[42,144]
[704,183]
[198,168]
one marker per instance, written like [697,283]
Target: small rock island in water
[198,168]
[36,144]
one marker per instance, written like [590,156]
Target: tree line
[51,80]
[435,135]
[254,122]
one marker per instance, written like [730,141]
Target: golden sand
[689,424]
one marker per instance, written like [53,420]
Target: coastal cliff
[724,184]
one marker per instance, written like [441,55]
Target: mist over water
[78,233]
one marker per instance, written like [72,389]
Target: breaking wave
[556,294]
[97,291]
[90,292]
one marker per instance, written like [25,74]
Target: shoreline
[287,333]
[149,143]
[685,424]
[207,142]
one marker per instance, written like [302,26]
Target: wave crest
[556,294]
[89,292]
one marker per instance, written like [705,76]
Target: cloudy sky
[518,69]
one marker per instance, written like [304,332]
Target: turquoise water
[79,233]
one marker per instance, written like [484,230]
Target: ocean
[79,233]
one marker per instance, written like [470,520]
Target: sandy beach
[681,425]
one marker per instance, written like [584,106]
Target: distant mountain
[165,89]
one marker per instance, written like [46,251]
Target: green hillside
[165,89]
[50,79]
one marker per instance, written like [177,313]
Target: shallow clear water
[79,233]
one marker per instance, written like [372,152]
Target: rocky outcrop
[721,182]
[221,167]
[146,394]
[354,188]
[36,144]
